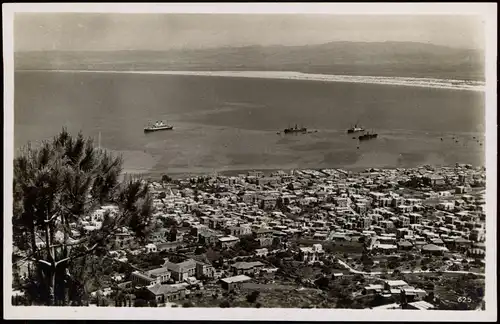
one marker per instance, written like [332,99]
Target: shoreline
[434,83]
[156,175]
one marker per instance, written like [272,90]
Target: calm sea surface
[228,124]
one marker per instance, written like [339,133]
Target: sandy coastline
[284,75]
[185,174]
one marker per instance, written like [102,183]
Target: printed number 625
[464,299]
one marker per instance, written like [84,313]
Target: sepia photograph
[250,161]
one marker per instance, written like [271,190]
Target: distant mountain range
[405,59]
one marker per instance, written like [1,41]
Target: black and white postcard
[250,161]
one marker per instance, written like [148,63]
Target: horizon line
[478,49]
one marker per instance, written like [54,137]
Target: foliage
[188,304]
[393,264]
[276,243]
[358,277]
[200,250]
[169,222]
[140,303]
[367,260]
[252,297]
[166,178]
[322,282]
[326,270]
[396,273]
[247,244]
[224,304]
[146,260]
[344,302]
[56,186]
[425,261]
[172,235]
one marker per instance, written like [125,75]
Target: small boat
[355,129]
[291,130]
[367,136]
[158,126]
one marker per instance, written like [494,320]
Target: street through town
[377,273]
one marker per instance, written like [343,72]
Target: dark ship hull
[156,129]
[366,137]
[291,131]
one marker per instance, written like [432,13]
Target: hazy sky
[79,31]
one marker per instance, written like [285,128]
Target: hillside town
[377,239]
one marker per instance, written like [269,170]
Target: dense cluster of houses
[429,210]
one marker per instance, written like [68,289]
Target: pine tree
[55,187]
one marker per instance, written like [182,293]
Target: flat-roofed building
[247,267]
[228,241]
[232,283]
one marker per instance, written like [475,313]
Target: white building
[311,254]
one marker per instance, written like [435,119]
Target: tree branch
[52,218]
[87,251]
[44,262]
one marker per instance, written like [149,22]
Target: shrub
[187,304]
[322,282]
[224,304]
[140,303]
[358,277]
[252,297]
[104,302]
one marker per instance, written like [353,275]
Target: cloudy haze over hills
[111,31]
[410,46]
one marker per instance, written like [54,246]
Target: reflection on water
[231,124]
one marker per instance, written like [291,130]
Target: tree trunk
[52,259]
[34,250]
[32,238]
[66,254]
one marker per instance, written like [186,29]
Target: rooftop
[421,305]
[396,283]
[159,289]
[229,238]
[433,247]
[240,278]
[180,267]
[247,265]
